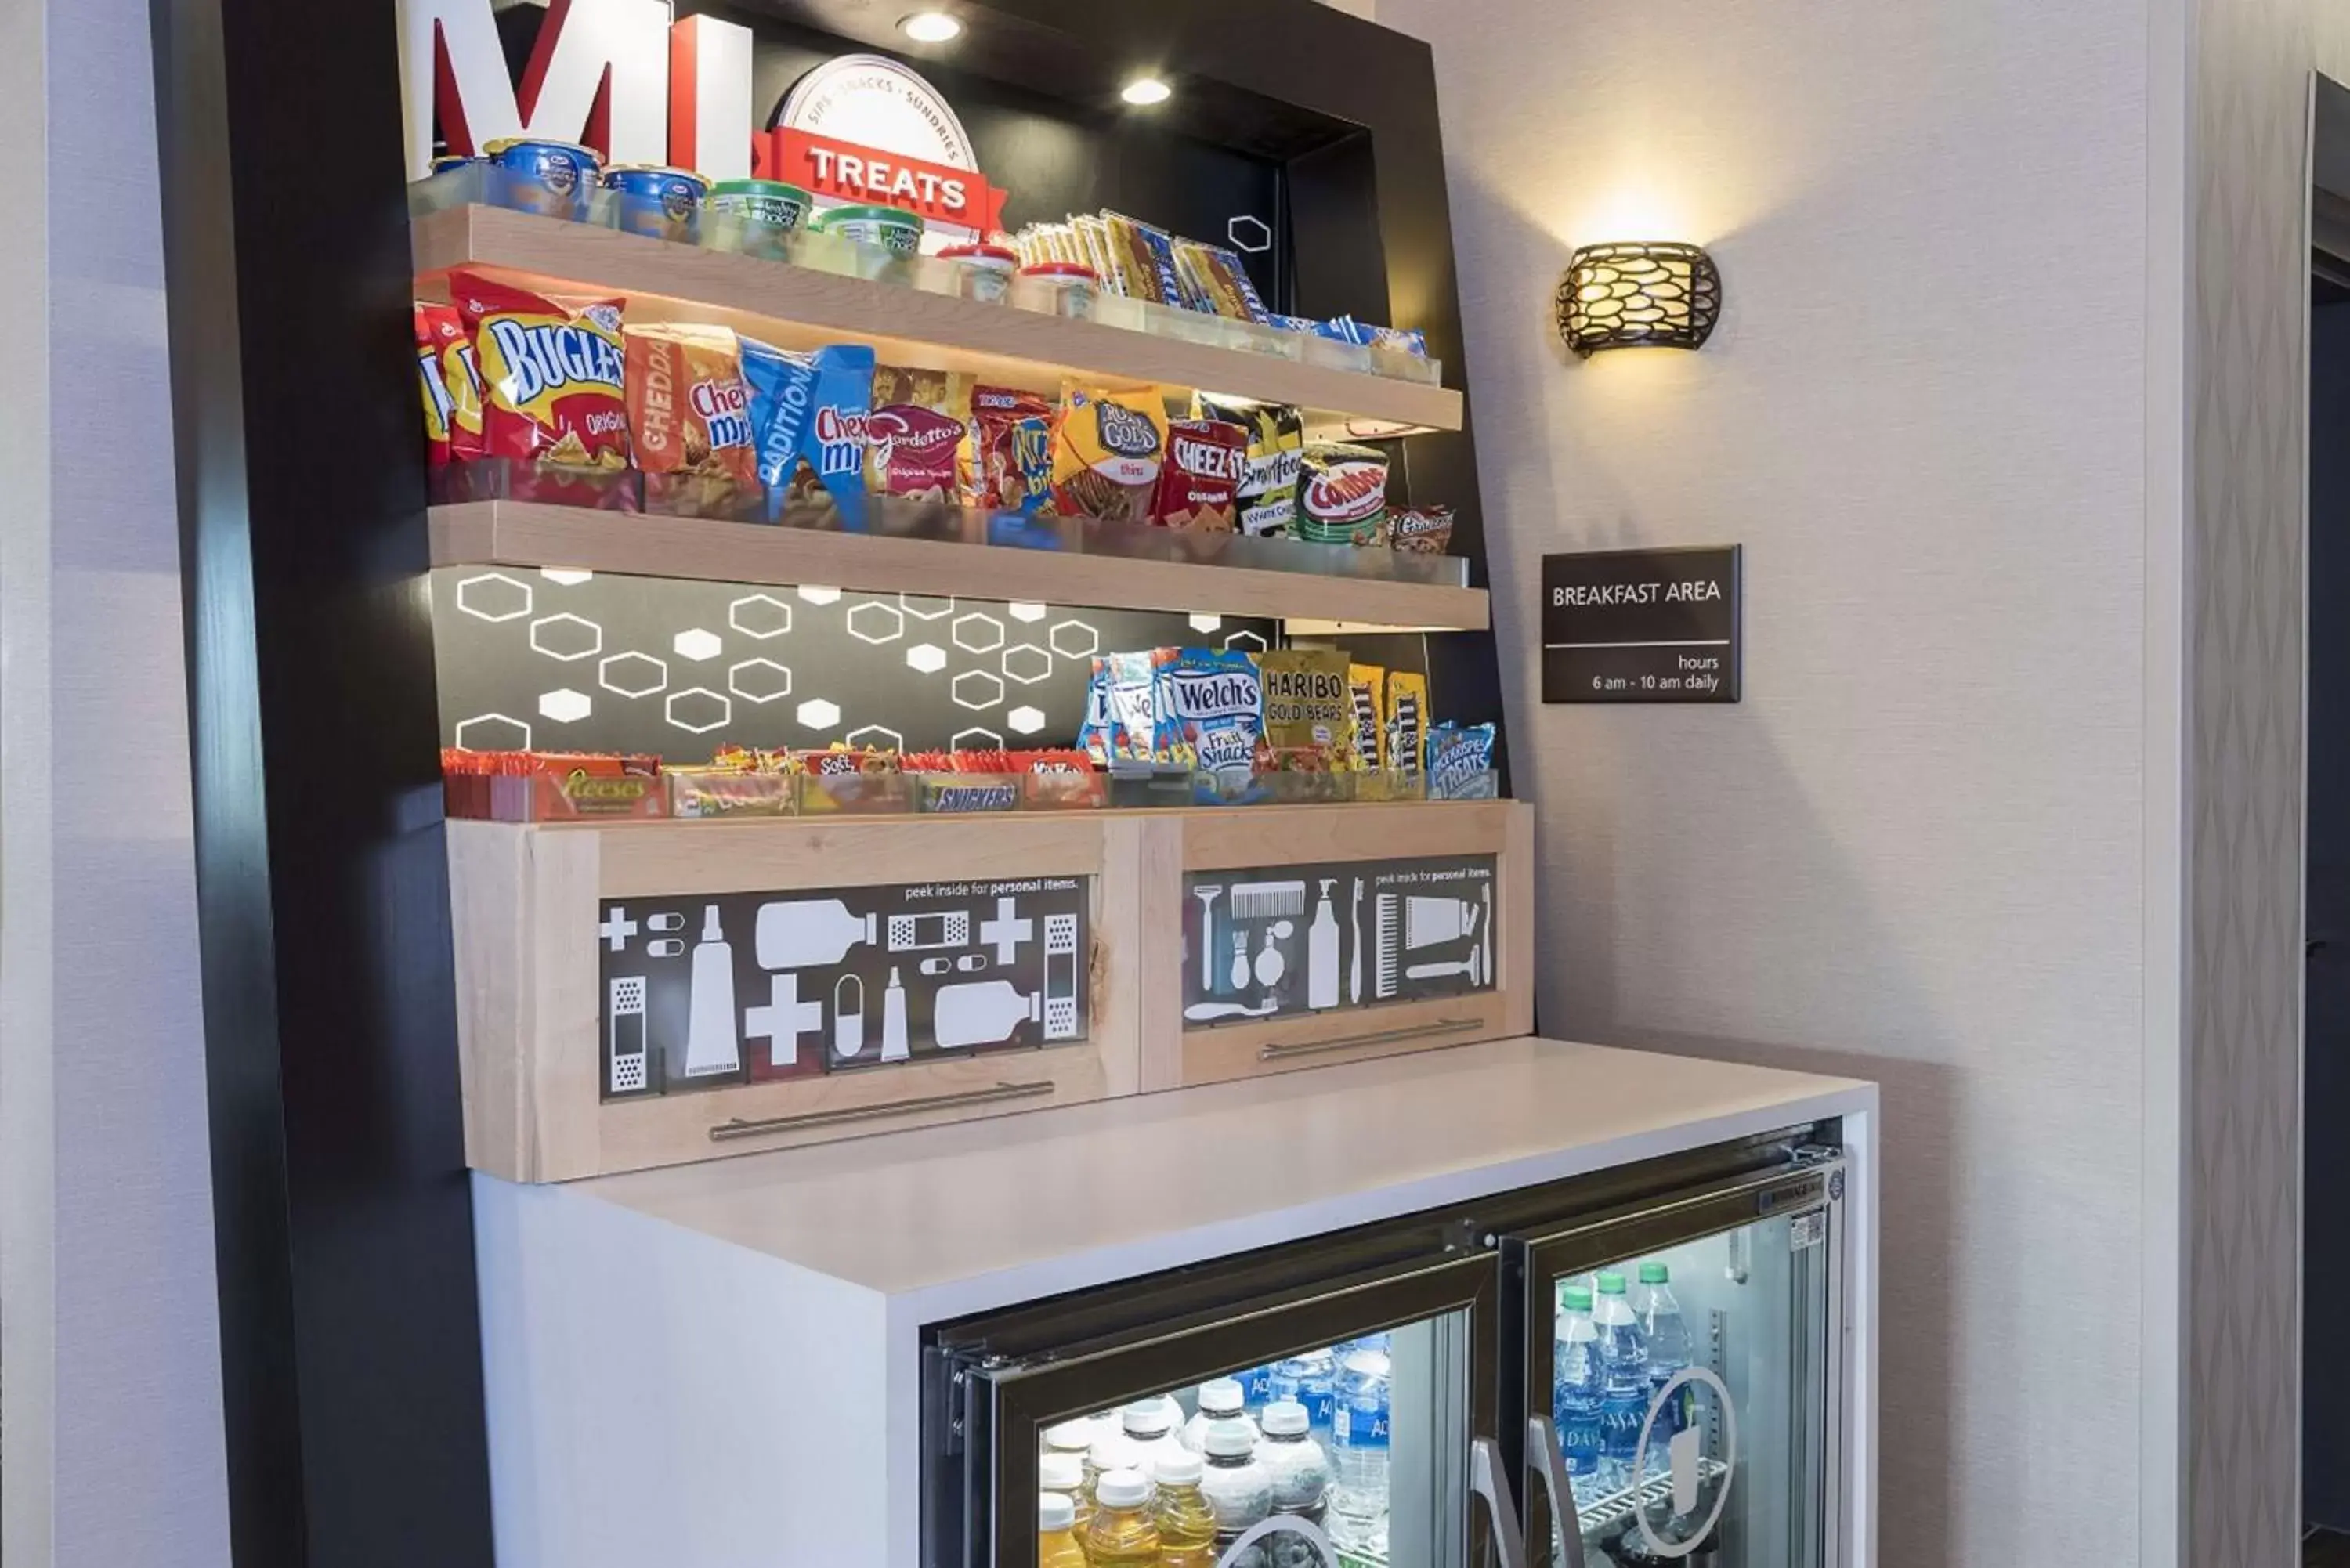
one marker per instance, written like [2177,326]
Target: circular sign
[1692,1374]
[868,102]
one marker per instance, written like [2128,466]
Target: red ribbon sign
[847,172]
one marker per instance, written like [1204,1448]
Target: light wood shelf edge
[534,533]
[904,324]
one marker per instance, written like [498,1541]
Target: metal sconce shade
[1655,294]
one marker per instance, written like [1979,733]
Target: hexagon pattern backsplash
[584,662]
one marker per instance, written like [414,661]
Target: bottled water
[1312,1380]
[1221,1399]
[1358,1507]
[1667,1337]
[1297,1465]
[1575,1390]
[1623,1383]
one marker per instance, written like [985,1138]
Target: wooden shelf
[534,534]
[801,307]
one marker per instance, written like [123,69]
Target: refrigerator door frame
[1000,1395]
[1534,1258]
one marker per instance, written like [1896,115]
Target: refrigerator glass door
[1684,1380]
[1351,1424]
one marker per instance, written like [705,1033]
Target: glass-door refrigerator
[1383,1397]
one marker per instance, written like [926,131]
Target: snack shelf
[805,307]
[578,944]
[952,550]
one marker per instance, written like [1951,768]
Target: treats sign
[621,77]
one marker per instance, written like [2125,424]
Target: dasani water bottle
[1623,1383]
[1358,1456]
[1575,1390]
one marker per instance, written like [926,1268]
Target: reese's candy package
[1276,442]
[916,437]
[1461,761]
[1306,704]
[1198,485]
[553,384]
[1011,449]
[1422,530]
[1107,450]
[810,411]
[1407,728]
[1210,710]
[1344,497]
[690,415]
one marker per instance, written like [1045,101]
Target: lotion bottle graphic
[711,1045]
[1322,952]
[809,931]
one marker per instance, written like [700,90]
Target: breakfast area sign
[621,77]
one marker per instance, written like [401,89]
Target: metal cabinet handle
[1486,1479]
[1545,1456]
[1376,1037]
[741,1129]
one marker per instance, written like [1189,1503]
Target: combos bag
[809,411]
[1276,446]
[690,417]
[554,389]
[1345,497]
[1107,454]
[918,434]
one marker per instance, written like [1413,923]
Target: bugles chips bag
[554,389]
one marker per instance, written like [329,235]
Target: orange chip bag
[450,382]
[435,390]
[553,389]
[689,407]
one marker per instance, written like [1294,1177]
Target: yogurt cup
[661,203]
[982,272]
[892,228]
[1057,288]
[532,174]
[756,217]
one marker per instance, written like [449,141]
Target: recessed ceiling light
[930,27]
[1146,90]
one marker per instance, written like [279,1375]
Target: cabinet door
[1717,1442]
[1397,1374]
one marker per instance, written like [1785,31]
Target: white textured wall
[109,1324]
[1917,851]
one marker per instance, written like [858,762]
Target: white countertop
[972,1216]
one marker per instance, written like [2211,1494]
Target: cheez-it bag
[554,389]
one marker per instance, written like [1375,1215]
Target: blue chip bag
[1461,761]
[1211,709]
[1094,732]
[809,412]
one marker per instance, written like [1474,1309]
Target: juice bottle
[1066,1474]
[1123,1534]
[1056,1544]
[1187,1526]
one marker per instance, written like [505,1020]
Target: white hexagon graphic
[974,739]
[697,710]
[567,637]
[493,596]
[927,657]
[1246,640]
[1026,720]
[1027,663]
[1028,612]
[1075,639]
[876,622]
[759,681]
[697,645]
[877,735]
[759,615]
[976,689]
[633,674]
[566,706]
[977,633]
[818,596]
[923,606]
[493,732]
[1206,622]
[818,714]
[564,577]
[1250,235]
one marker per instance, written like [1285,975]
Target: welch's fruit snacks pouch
[1210,710]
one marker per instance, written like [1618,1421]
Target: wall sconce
[1650,294]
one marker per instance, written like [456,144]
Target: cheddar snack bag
[1107,451]
[690,415]
[1199,483]
[552,378]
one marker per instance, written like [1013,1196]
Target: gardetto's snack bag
[552,374]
